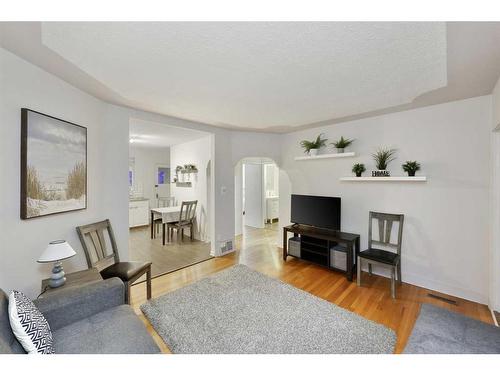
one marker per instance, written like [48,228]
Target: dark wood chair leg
[400,281]
[393,283]
[148,282]
[358,276]
[191,231]
[163,234]
[370,269]
[152,223]
[127,293]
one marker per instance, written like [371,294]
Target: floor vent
[447,300]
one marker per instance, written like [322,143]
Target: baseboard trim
[494,316]
[433,285]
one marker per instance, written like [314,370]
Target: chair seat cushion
[125,270]
[382,256]
[114,331]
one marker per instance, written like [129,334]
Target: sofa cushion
[8,342]
[29,325]
[114,331]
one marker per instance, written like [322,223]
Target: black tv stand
[316,245]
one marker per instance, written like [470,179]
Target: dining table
[168,215]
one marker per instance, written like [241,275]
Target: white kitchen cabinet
[272,208]
[138,213]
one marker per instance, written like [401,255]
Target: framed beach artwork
[53,165]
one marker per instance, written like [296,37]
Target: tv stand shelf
[316,245]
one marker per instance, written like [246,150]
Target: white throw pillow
[29,325]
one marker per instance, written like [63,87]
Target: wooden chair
[379,256]
[106,260]
[157,220]
[186,220]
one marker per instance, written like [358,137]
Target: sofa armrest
[70,305]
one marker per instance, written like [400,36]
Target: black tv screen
[323,212]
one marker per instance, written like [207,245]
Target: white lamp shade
[57,250]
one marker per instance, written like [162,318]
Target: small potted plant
[190,168]
[342,143]
[382,158]
[411,167]
[178,169]
[312,147]
[358,169]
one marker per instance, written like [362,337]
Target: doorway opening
[170,171]
[257,198]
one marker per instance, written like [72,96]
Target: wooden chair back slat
[166,202]
[188,212]
[385,225]
[94,244]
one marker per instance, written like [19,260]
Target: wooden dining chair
[383,257]
[186,220]
[106,259]
[157,219]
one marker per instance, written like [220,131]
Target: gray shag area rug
[243,311]
[440,331]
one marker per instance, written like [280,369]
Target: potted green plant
[190,168]
[312,147]
[382,157]
[411,167]
[342,143]
[358,169]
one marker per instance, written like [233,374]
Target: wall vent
[226,246]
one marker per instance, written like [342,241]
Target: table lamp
[56,252]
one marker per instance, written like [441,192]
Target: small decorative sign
[380,173]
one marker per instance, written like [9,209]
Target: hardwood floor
[257,249]
[173,256]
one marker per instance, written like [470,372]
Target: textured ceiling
[152,134]
[258,75]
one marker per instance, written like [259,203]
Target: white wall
[254,202]
[146,161]
[496,104]
[24,85]
[494,271]
[446,233]
[197,152]
[238,199]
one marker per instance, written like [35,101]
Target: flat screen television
[322,212]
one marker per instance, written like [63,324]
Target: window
[131,172]
[163,175]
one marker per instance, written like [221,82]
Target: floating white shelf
[391,179]
[327,156]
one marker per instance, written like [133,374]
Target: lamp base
[57,278]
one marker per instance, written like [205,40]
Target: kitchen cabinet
[138,212]
[272,209]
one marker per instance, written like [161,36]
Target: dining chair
[157,219]
[186,220]
[379,256]
[103,255]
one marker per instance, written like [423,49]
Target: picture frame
[53,165]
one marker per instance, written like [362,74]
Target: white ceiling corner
[258,75]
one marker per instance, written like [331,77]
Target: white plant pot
[340,150]
[313,152]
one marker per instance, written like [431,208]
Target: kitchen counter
[138,199]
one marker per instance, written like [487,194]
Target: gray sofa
[92,318]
